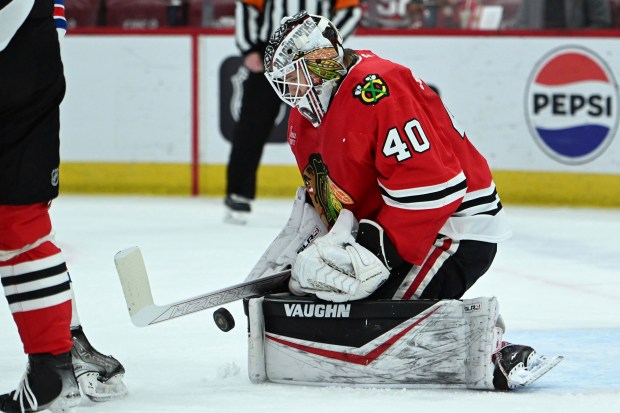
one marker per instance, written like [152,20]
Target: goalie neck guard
[304,63]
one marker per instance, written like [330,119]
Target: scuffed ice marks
[228,370]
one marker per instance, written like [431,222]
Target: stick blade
[135,282]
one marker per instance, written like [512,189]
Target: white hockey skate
[100,377]
[519,366]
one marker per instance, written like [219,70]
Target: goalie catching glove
[336,267]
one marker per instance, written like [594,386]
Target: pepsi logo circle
[572,105]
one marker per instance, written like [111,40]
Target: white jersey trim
[41,303]
[486,228]
[31,266]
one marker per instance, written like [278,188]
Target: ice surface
[557,280]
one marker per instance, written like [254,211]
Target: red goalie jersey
[389,151]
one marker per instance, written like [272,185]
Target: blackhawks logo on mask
[372,91]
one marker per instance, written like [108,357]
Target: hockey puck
[223,319]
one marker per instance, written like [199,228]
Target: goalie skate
[520,366]
[100,377]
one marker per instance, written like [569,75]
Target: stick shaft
[143,311]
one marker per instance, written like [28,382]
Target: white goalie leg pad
[302,228]
[418,344]
[486,329]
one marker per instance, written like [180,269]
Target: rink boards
[153,113]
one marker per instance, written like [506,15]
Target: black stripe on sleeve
[488,199]
[431,196]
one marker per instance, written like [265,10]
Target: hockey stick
[143,311]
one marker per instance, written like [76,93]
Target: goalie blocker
[418,343]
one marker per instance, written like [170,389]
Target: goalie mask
[304,63]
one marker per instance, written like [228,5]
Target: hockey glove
[372,236]
[303,226]
[337,268]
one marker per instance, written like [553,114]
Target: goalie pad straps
[447,344]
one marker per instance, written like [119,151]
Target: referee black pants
[259,109]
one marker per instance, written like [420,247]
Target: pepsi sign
[572,105]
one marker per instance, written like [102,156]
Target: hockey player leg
[36,285]
[384,343]
[387,343]
[40,295]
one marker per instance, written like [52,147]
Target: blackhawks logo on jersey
[372,91]
[327,197]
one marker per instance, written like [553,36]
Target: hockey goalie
[399,216]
